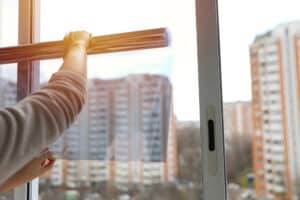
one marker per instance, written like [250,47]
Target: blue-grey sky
[240,21]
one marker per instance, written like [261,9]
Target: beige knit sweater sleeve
[38,120]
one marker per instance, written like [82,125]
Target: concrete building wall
[237,119]
[126,133]
[275,106]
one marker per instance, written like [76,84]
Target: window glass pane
[147,146]
[7,195]
[8,22]
[8,73]
[103,17]
[260,65]
[8,97]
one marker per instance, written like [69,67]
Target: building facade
[237,119]
[125,134]
[275,73]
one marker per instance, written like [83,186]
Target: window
[125,76]
[261,60]
[8,72]
[158,69]
[8,97]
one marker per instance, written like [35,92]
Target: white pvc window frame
[210,92]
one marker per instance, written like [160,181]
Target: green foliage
[238,155]
[189,154]
[243,179]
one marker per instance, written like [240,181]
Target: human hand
[38,165]
[77,38]
[75,56]
[33,169]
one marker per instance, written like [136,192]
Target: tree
[189,153]
[238,155]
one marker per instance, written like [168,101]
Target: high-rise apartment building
[275,73]
[237,119]
[8,92]
[125,134]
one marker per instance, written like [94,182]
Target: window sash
[214,182]
[28,73]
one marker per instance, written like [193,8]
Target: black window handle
[211,135]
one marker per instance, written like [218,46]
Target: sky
[240,22]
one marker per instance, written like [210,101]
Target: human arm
[39,119]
